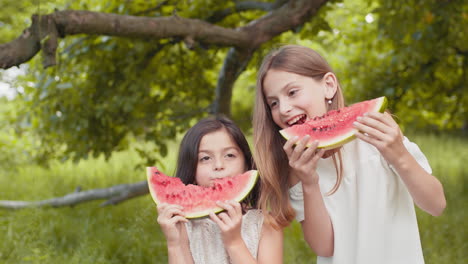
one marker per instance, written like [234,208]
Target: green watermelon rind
[380,106]
[201,214]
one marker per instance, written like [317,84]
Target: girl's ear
[331,85]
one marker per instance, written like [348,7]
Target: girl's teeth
[292,122]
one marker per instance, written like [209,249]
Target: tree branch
[289,16]
[115,194]
[72,22]
[23,48]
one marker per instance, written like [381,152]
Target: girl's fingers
[177,219]
[170,210]
[314,145]
[160,207]
[309,152]
[367,138]
[236,211]
[228,207]
[225,218]
[299,148]
[385,118]
[288,146]
[369,131]
[216,219]
[372,122]
[174,212]
[318,155]
[237,206]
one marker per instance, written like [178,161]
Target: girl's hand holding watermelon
[302,159]
[381,131]
[230,223]
[170,218]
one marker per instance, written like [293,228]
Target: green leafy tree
[147,70]
[416,55]
[137,69]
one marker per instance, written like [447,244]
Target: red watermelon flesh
[199,201]
[335,128]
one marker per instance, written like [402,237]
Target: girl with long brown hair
[354,203]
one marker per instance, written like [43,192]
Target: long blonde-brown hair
[271,160]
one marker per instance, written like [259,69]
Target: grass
[445,238]
[128,233]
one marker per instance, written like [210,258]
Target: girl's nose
[284,108]
[219,165]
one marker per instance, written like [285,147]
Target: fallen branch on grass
[114,195]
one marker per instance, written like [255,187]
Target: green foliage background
[106,92]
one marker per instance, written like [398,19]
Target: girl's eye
[273,104]
[204,158]
[230,155]
[292,92]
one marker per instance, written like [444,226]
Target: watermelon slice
[335,128]
[199,201]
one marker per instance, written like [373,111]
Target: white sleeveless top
[372,212]
[206,244]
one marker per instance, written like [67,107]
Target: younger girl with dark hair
[216,148]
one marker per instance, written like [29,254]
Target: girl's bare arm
[270,247]
[171,220]
[316,227]
[180,253]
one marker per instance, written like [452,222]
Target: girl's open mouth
[300,119]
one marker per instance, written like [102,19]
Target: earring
[329,102]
